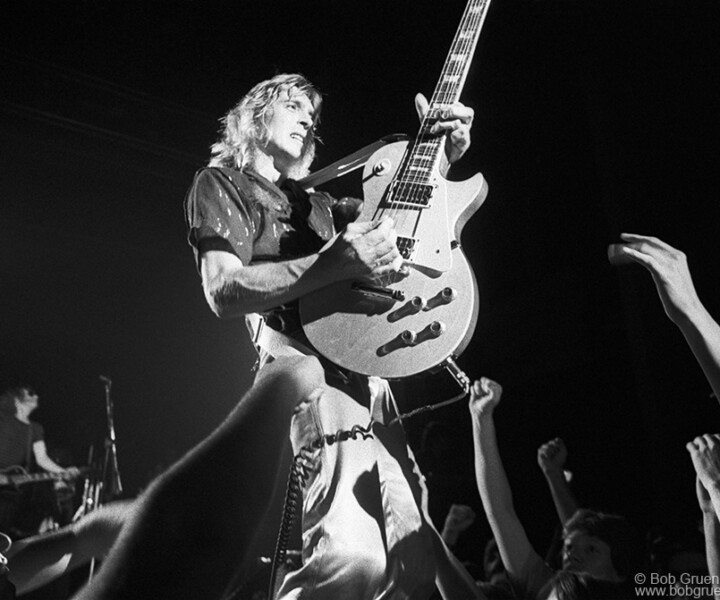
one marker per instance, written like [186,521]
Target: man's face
[27,402]
[290,125]
[584,553]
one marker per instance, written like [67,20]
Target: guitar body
[404,326]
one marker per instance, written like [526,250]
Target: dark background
[592,118]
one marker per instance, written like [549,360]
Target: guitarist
[261,242]
[22,444]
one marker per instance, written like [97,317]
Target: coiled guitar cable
[300,469]
[299,475]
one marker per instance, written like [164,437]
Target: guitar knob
[417,304]
[403,340]
[408,337]
[411,307]
[436,328]
[448,294]
[382,166]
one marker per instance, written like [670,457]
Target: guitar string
[454,71]
[398,184]
[411,182]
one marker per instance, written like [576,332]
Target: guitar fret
[427,148]
[428,159]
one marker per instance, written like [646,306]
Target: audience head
[602,545]
[677,549]
[568,585]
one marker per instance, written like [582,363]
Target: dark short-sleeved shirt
[16,440]
[241,212]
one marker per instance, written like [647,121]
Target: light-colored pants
[364,534]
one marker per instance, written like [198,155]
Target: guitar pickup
[378,292]
[409,194]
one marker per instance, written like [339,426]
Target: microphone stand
[111,473]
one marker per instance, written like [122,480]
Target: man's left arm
[454,121]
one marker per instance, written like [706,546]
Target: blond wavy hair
[245,126]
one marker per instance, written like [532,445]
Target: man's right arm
[551,459]
[705,455]
[518,555]
[363,250]
[671,274]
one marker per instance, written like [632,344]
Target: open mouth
[298,137]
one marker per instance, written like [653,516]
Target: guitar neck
[457,63]
[427,148]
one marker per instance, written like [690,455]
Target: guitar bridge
[407,247]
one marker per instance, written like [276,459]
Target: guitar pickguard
[424,222]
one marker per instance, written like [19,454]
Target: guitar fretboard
[420,162]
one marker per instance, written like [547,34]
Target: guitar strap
[351,162]
[269,342]
[273,342]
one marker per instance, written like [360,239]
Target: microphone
[106,380]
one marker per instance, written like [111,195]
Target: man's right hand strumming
[364,250]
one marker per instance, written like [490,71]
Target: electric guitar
[17,476]
[401,326]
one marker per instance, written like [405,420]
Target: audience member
[596,543]
[35,561]
[568,585]
[705,454]
[495,584]
[671,274]
[458,519]
[551,458]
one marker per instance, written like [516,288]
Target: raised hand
[552,455]
[485,395]
[705,454]
[668,267]
[455,121]
[458,519]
